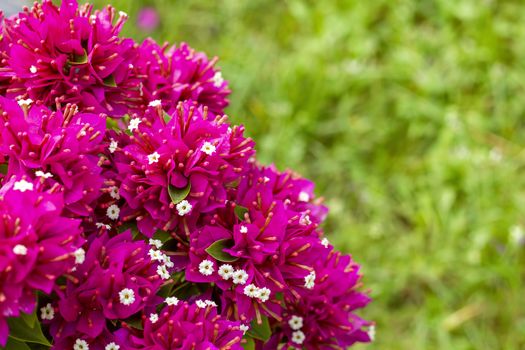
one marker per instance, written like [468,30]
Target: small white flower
[210,303]
[240,277]
[309,280]
[80,344]
[244,328]
[162,271]
[155,103]
[112,346]
[23,186]
[305,220]
[206,267]
[201,304]
[296,322]
[127,296]
[208,148]
[325,242]
[183,208]
[153,318]
[226,271]
[47,312]
[113,212]
[167,261]
[252,291]
[33,69]
[113,145]
[25,103]
[20,249]
[372,332]
[80,256]
[218,79]
[101,225]
[172,301]
[40,173]
[134,124]
[157,243]
[114,193]
[264,294]
[243,229]
[298,337]
[156,255]
[122,14]
[153,158]
[304,197]
[266,179]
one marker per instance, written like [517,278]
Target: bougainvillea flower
[173,74]
[70,54]
[185,326]
[37,245]
[116,279]
[59,148]
[191,153]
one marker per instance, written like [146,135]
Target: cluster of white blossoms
[205,303]
[165,262]
[309,280]
[296,323]
[239,276]
[172,301]
[81,344]
[43,175]
[252,291]
[23,186]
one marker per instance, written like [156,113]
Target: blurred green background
[409,116]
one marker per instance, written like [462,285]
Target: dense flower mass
[37,245]
[139,213]
[57,147]
[192,152]
[174,74]
[70,54]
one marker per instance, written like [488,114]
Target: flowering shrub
[135,216]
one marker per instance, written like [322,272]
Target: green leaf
[19,330]
[249,345]
[79,59]
[112,124]
[110,81]
[29,319]
[178,194]
[3,169]
[162,236]
[260,331]
[240,211]
[216,250]
[13,344]
[135,321]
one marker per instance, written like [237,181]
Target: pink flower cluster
[133,215]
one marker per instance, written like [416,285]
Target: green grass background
[409,116]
